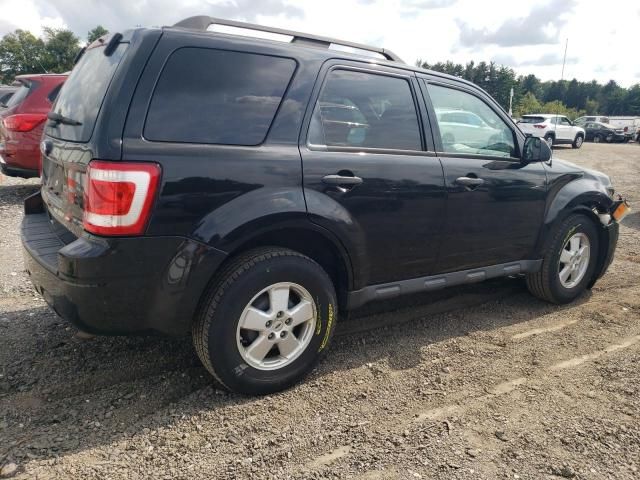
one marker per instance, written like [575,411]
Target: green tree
[21,52]
[96,33]
[527,105]
[61,47]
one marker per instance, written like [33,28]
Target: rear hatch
[67,145]
[532,125]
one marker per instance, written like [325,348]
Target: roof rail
[203,22]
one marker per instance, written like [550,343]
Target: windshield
[81,96]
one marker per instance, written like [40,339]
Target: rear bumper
[117,286]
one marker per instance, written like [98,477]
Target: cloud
[6,27]
[547,59]
[413,8]
[540,27]
[123,14]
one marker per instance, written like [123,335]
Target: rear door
[495,203]
[370,173]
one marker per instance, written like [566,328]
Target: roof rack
[203,22]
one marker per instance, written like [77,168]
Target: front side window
[564,121]
[365,110]
[468,125]
[217,97]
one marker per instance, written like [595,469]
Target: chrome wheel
[574,260]
[549,141]
[579,141]
[276,326]
[596,139]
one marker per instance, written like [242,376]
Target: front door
[495,203]
[369,174]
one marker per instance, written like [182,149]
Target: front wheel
[266,321]
[569,263]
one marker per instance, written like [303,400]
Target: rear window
[217,97]
[532,120]
[81,96]
[23,92]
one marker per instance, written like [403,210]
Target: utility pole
[511,103]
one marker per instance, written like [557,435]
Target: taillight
[119,197]
[539,125]
[23,122]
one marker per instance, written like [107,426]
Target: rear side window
[365,110]
[23,92]
[81,96]
[217,97]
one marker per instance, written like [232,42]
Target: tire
[577,143]
[238,293]
[609,138]
[549,139]
[546,284]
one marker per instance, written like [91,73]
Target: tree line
[22,52]
[531,95]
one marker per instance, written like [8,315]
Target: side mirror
[536,150]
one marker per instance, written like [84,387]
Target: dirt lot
[476,382]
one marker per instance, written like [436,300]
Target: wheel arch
[590,203]
[308,239]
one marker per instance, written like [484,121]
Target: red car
[22,122]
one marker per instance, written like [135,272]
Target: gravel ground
[474,382]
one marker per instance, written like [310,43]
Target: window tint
[365,110]
[81,95]
[218,97]
[531,120]
[482,132]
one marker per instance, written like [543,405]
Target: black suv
[246,190]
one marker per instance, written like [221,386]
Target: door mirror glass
[536,150]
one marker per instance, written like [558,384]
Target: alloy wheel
[276,326]
[574,260]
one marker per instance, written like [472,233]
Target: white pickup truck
[555,129]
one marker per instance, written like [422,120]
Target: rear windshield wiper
[56,118]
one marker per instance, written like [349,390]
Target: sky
[527,35]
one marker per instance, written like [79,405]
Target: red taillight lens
[23,122]
[119,197]
[539,125]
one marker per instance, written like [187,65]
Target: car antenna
[564,61]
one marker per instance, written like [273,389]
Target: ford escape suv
[247,190]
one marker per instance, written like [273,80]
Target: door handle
[469,181]
[341,180]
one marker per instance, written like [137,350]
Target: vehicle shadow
[632,221]
[12,194]
[60,394]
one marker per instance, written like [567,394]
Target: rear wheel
[597,139]
[579,140]
[570,261]
[266,321]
